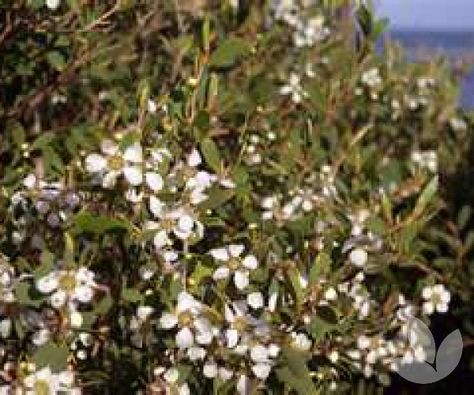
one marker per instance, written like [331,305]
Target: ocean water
[457,46]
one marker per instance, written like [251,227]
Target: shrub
[218,197]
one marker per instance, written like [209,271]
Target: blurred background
[426,28]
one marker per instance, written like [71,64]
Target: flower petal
[110,179]
[109,147]
[168,321]
[134,153]
[154,181]
[261,370]
[84,294]
[95,163]
[243,385]
[236,250]
[232,337]
[58,299]
[255,300]
[221,254]
[241,279]
[250,262]
[47,284]
[133,175]
[194,158]
[161,239]
[156,206]
[184,338]
[221,273]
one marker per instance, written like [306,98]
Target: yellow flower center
[188,172]
[167,224]
[42,387]
[115,162]
[233,263]
[185,318]
[67,282]
[240,324]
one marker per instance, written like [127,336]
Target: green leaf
[46,264]
[25,294]
[132,295]
[321,266]
[56,59]
[68,250]
[211,154]
[426,196]
[324,322]
[52,355]
[217,197]
[200,272]
[295,372]
[464,216]
[97,224]
[104,305]
[294,277]
[229,53]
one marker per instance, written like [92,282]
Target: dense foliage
[220,197]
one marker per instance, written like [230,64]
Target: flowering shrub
[228,198]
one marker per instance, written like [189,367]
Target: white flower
[255,300]
[112,164]
[294,89]
[53,4]
[310,32]
[30,181]
[194,328]
[5,327]
[371,77]
[76,319]
[68,287]
[363,342]
[210,370]
[143,312]
[45,382]
[263,356]
[436,298]
[330,294]
[240,322]
[301,341]
[7,276]
[243,385]
[41,337]
[333,356]
[358,257]
[151,106]
[154,181]
[425,159]
[233,263]
[181,222]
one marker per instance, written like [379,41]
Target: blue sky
[428,14]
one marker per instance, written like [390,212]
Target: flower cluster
[308,29]
[217,230]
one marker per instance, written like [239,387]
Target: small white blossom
[358,257]
[436,298]
[293,89]
[372,77]
[53,4]
[113,163]
[230,256]
[68,287]
[187,316]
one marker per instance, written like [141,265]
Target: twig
[355,140]
[102,18]
[179,18]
